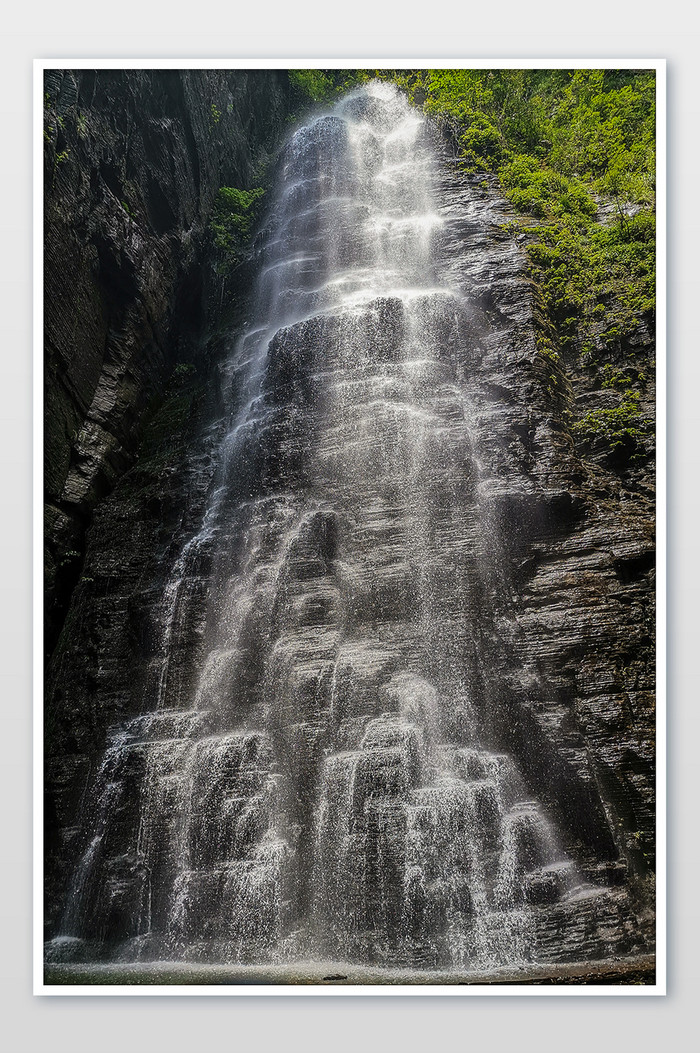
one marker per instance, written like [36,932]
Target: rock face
[579,533]
[132,162]
[358,668]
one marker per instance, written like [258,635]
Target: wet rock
[413,621]
[133,160]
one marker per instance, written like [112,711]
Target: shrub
[235,212]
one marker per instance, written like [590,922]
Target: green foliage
[545,348]
[410,81]
[558,140]
[457,94]
[596,277]
[594,124]
[234,215]
[184,369]
[621,379]
[563,143]
[315,84]
[69,556]
[575,149]
[544,192]
[620,427]
[215,113]
[324,85]
[318,85]
[614,378]
[480,143]
[604,130]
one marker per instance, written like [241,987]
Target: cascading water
[318,776]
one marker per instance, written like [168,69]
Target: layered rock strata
[367,675]
[132,163]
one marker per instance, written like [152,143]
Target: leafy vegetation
[234,215]
[574,151]
[324,85]
[620,430]
[313,84]
[562,142]
[184,369]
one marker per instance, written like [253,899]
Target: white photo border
[462,990]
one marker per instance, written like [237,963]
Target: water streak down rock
[343,749]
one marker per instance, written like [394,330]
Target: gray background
[440,29]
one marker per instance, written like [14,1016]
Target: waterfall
[318,773]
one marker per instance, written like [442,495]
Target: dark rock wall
[125,300]
[577,528]
[132,162]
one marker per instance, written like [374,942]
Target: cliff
[133,161]
[562,659]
